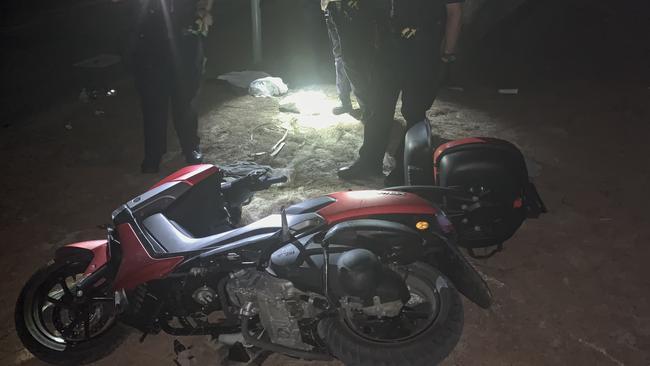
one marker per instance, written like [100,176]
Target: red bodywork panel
[450,144]
[99,248]
[191,175]
[137,266]
[360,204]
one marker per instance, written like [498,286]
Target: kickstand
[144,335]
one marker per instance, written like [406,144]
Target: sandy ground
[571,288]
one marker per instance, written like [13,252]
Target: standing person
[421,36]
[343,86]
[356,27]
[168,63]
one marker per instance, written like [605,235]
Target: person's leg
[379,120]
[152,85]
[343,86]
[421,84]
[357,40]
[188,76]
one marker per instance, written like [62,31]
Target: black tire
[429,347]
[62,353]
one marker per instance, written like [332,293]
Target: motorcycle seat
[173,238]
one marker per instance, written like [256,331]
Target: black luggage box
[498,195]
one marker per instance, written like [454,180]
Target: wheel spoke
[87,326]
[58,302]
[64,286]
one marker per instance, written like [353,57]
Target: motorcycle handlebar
[271,181]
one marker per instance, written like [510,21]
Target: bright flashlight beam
[315,109]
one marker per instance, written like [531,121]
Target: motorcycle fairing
[190,175]
[137,266]
[157,199]
[310,205]
[360,204]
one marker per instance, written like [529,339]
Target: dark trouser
[342,82]
[409,66]
[357,48]
[165,79]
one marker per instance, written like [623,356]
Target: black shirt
[160,20]
[421,14]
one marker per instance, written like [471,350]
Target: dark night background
[571,288]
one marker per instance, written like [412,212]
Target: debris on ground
[289,108]
[99,61]
[280,144]
[183,354]
[84,97]
[99,112]
[267,87]
[263,125]
[508,91]
[68,126]
[277,149]
[242,79]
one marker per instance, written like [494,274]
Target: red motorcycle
[366,277]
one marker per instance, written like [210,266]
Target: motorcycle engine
[278,303]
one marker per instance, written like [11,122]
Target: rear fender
[464,276]
[95,250]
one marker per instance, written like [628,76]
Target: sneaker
[195,156]
[342,109]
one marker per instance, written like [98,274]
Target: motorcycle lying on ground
[366,277]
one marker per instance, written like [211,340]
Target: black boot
[150,165]
[395,178]
[359,171]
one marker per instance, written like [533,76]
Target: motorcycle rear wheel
[426,339]
[59,330]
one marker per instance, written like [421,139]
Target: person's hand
[203,22]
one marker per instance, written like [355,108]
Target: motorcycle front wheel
[61,328]
[426,331]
